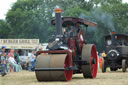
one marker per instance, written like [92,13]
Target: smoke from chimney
[105,18]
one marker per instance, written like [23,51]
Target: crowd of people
[10,61]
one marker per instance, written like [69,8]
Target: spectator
[27,62]
[100,60]
[3,61]
[40,49]
[103,54]
[32,59]
[16,56]
[12,61]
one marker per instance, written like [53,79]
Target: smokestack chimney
[58,21]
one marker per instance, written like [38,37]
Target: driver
[77,27]
[69,31]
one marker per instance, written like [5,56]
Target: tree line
[31,18]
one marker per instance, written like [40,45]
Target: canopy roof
[120,36]
[73,20]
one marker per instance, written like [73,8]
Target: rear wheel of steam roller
[90,56]
[103,66]
[124,66]
[52,62]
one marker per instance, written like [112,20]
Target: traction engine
[67,52]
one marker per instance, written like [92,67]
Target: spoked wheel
[124,65]
[50,67]
[103,66]
[90,56]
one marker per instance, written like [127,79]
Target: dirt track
[28,78]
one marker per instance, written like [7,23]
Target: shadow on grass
[73,78]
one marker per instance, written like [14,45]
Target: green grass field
[28,78]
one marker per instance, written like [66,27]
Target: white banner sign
[20,43]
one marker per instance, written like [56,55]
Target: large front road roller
[53,66]
[67,52]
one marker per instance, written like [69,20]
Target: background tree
[31,18]
[4,29]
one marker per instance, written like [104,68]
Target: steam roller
[67,51]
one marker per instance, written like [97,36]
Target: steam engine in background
[116,52]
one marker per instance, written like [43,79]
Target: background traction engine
[116,52]
[67,53]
